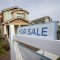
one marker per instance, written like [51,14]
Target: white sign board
[47,30]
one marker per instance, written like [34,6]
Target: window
[20,15]
[8,16]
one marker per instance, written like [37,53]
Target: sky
[36,8]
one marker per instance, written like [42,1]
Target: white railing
[52,46]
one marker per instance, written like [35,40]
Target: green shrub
[6,45]
[2,51]
[58,58]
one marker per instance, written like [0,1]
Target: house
[44,20]
[41,20]
[14,16]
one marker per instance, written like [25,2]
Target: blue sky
[37,8]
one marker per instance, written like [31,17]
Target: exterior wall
[7,15]
[26,16]
[46,20]
[15,13]
[2,30]
[23,13]
[0,18]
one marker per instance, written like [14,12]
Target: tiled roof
[17,8]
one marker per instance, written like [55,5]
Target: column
[5,30]
[11,33]
[15,52]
